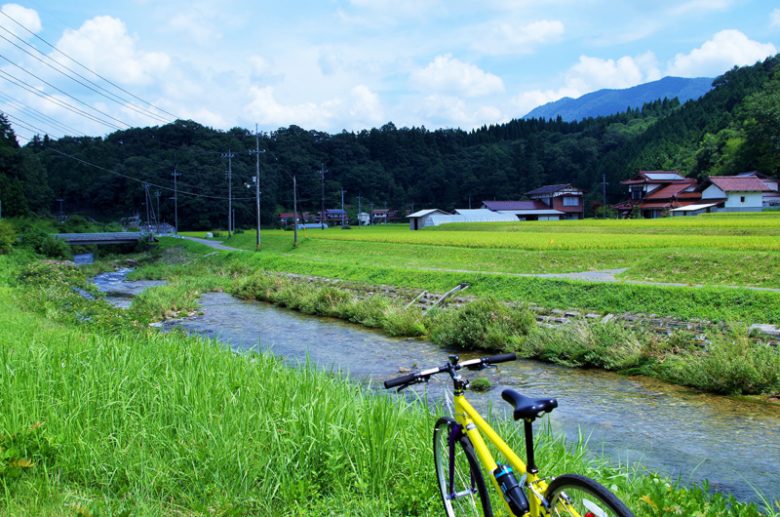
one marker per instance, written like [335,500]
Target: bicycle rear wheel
[460,481]
[571,495]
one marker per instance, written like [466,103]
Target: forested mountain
[734,127]
[608,102]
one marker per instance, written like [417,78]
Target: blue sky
[354,64]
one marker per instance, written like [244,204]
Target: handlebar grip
[500,358]
[398,381]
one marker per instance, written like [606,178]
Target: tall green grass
[135,422]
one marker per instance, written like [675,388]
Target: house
[380,215]
[530,210]
[364,219]
[656,193]
[563,197]
[735,193]
[770,198]
[287,219]
[336,216]
[424,218]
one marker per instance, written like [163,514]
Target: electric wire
[40,116]
[63,92]
[32,89]
[138,180]
[58,51]
[91,85]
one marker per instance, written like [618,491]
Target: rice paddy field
[725,256]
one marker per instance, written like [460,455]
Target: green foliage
[50,273]
[485,324]
[7,236]
[731,364]
[44,244]
[609,346]
[480,384]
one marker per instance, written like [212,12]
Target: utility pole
[256,152]
[295,212]
[343,213]
[229,155]
[359,210]
[604,191]
[322,197]
[147,203]
[61,215]
[157,195]
[175,201]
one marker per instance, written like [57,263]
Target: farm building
[435,217]
[771,198]
[530,210]
[655,193]
[564,198]
[735,193]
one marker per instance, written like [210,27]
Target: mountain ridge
[610,101]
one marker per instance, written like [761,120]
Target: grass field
[100,415]
[736,250]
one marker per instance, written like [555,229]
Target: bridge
[85,239]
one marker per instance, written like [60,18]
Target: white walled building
[735,193]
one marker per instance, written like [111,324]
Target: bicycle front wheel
[571,495]
[460,481]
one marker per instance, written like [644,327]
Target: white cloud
[27,17]
[774,19]
[592,73]
[699,6]
[448,111]
[360,109]
[195,26]
[104,45]
[726,49]
[447,74]
[365,107]
[510,37]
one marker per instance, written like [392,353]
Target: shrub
[44,244]
[480,384]
[7,236]
[400,321]
[483,324]
[603,345]
[50,273]
[732,364]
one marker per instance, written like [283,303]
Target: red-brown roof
[670,191]
[739,184]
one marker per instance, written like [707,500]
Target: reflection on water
[685,434]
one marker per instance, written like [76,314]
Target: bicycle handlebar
[424,375]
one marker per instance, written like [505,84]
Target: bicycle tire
[473,497]
[585,496]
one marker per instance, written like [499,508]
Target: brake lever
[425,380]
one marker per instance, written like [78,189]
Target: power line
[27,86]
[58,51]
[96,88]
[63,92]
[137,180]
[26,125]
[40,116]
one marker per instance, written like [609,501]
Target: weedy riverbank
[101,415]
[729,362]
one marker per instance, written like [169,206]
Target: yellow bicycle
[459,449]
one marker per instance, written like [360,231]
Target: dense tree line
[732,128]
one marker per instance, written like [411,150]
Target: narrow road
[211,244]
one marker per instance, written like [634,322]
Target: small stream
[685,434]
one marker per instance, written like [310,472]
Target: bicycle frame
[474,426]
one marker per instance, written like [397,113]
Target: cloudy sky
[352,64]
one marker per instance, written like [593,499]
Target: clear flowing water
[685,434]
[119,291]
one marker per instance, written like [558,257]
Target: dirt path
[211,244]
[608,276]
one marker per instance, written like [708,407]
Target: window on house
[741,199]
[636,194]
[571,201]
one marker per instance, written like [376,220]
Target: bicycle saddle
[527,408]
